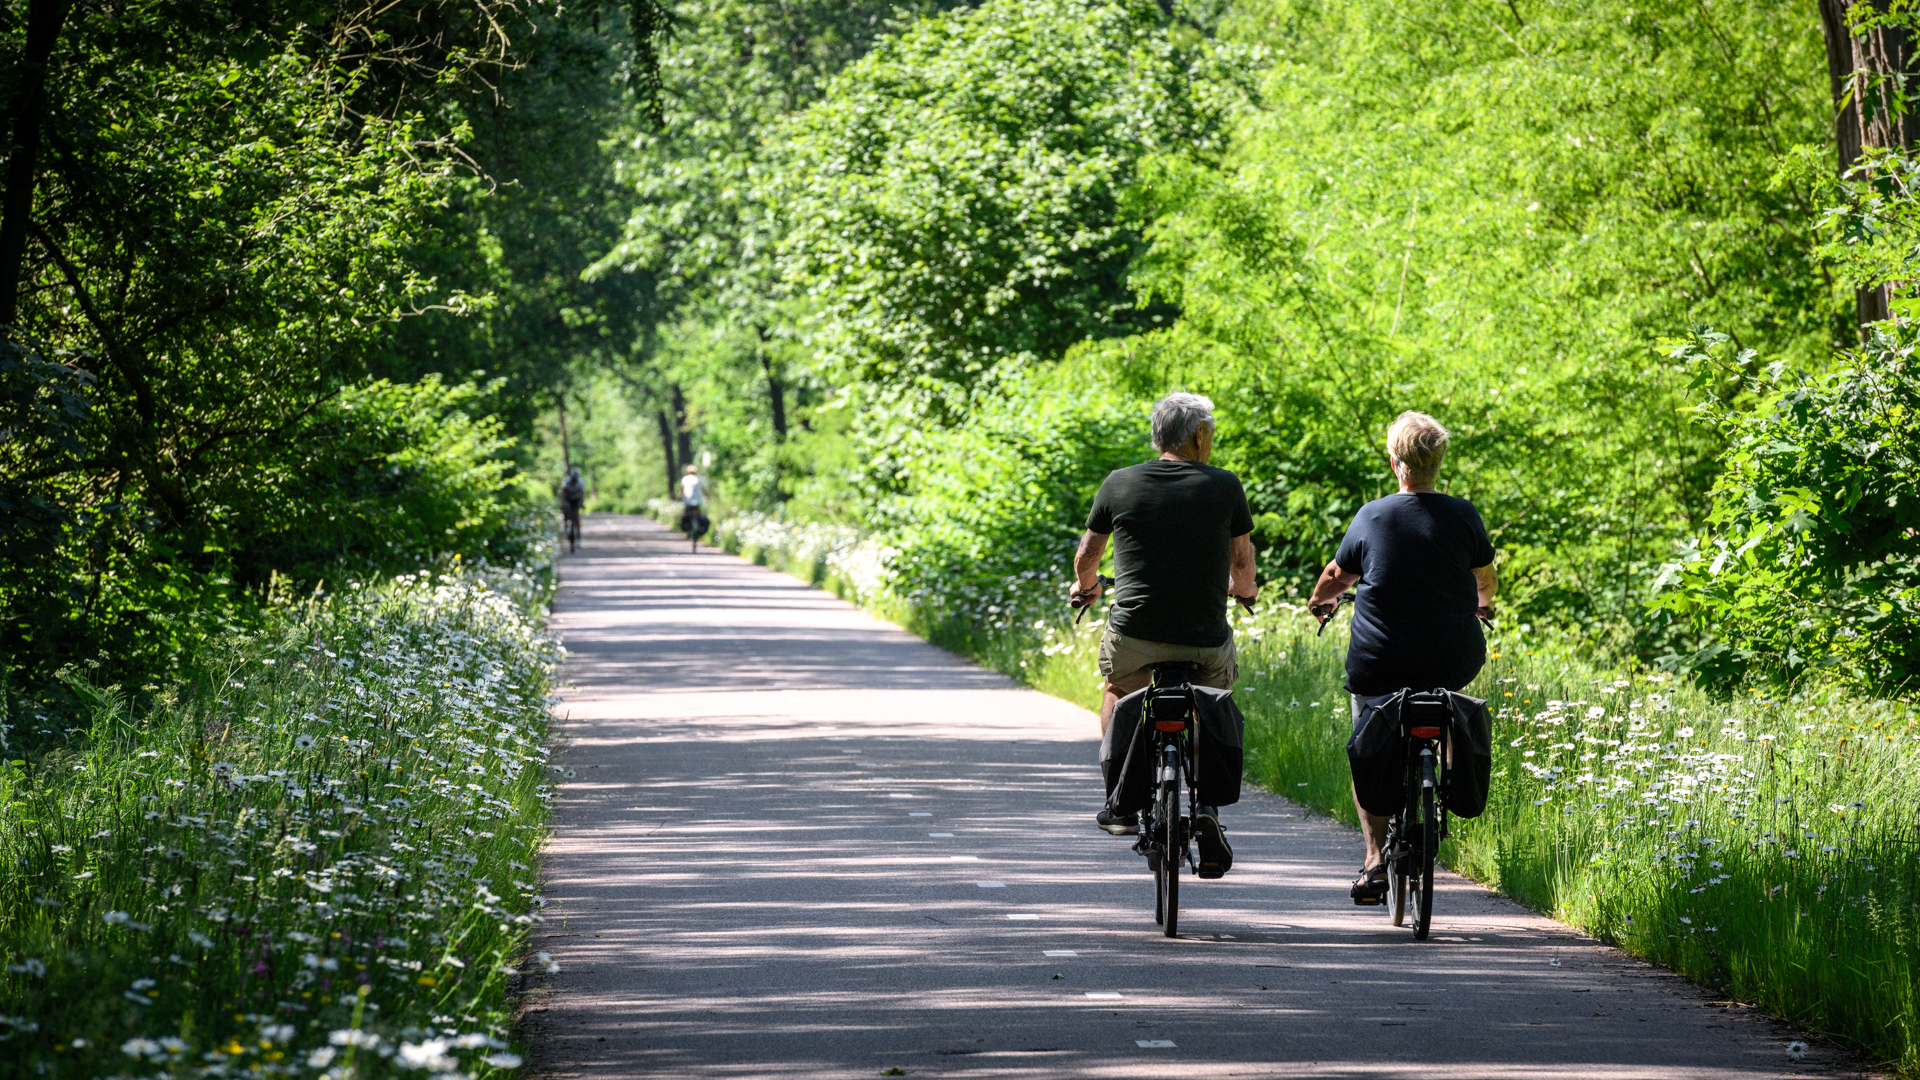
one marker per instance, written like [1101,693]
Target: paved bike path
[800,842]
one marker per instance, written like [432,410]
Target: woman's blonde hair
[1418,442]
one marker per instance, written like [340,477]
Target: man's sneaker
[1119,824]
[1216,855]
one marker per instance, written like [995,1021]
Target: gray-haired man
[1183,545]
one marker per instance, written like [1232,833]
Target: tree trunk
[680,425]
[44,21]
[777,396]
[1864,71]
[566,454]
[666,452]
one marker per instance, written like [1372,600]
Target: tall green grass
[317,857]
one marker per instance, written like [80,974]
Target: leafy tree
[215,215]
[958,199]
[704,224]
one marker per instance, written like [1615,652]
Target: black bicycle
[1166,829]
[570,525]
[1415,832]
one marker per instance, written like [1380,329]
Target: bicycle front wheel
[1429,834]
[1169,825]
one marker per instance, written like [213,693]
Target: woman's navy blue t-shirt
[1413,612]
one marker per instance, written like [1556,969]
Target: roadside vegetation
[309,300]
[318,856]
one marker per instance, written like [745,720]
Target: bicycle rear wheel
[1169,826]
[1429,833]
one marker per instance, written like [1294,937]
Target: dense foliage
[276,263]
[1809,562]
[1490,218]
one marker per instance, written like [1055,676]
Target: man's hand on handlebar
[1247,601]
[1080,598]
[1484,614]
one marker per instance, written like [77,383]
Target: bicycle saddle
[1174,672]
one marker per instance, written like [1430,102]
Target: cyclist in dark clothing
[573,495]
[1182,545]
[1424,565]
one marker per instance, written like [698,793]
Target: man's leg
[1117,688]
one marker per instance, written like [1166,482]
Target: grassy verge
[1769,849]
[315,858]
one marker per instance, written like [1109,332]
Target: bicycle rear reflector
[1424,732]
[1169,725]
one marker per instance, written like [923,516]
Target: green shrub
[1809,565]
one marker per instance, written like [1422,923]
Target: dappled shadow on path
[797,842]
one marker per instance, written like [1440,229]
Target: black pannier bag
[1126,752]
[1377,754]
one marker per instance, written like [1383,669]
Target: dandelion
[1796,1050]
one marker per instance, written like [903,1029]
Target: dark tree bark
[680,425]
[666,452]
[776,391]
[566,452]
[1868,73]
[45,18]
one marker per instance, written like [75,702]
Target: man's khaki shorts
[1122,659]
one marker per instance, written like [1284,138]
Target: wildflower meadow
[317,857]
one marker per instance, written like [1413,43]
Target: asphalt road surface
[800,842]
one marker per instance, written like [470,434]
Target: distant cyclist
[1182,545]
[693,498]
[573,495]
[1424,565]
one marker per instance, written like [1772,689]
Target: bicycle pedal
[1369,901]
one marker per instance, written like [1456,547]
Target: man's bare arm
[1240,566]
[1086,563]
[1326,591]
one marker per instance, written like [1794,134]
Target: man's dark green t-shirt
[1170,522]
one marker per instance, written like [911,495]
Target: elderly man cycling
[1424,564]
[1182,545]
